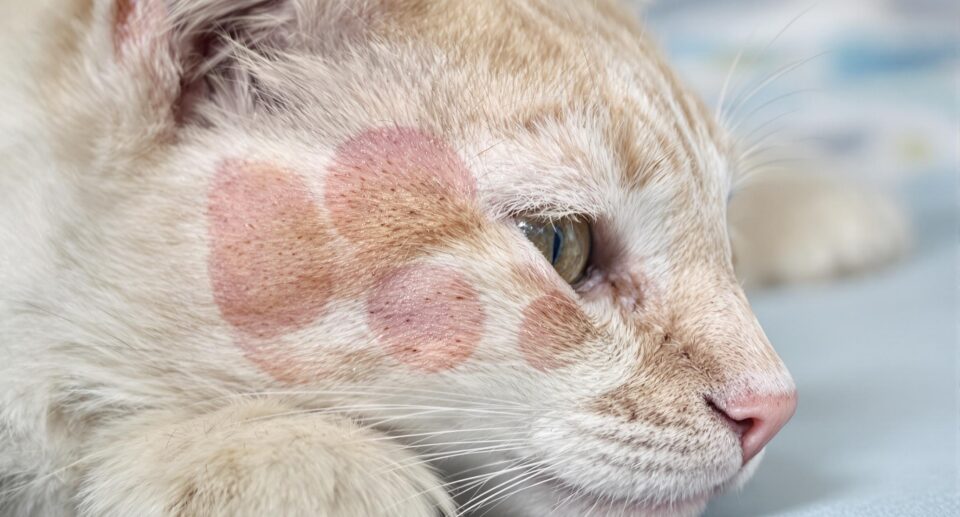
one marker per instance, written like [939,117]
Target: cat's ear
[179,53]
[176,53]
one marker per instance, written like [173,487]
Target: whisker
[720,114]
[455,491]
[734,124]
[482,466]
[442,456]
[425,410]
[726,80]
[491,496]
[751,136]
[380,390]
[760,146]
[743,99]
[484,497]
[768,166]
[510,491]
[574,494]
[448,431]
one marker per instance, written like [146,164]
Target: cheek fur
[271,257]
[428,317]
[397,193]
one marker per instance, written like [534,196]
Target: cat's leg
[255,459]
[797,227]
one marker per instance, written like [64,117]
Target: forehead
[559,66]
[559,107]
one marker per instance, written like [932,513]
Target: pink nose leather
[761,417]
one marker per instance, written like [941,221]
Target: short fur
[127,385]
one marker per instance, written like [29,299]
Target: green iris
[564,242]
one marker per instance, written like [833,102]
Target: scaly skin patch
[426,316]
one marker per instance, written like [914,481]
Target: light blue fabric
[875,362]
[875,358]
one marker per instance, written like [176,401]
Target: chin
[542,497]
[558,501]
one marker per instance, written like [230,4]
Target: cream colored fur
[122,391]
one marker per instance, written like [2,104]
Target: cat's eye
[564,242]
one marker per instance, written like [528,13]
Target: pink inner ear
[122,19]
[135,23]
[271,258]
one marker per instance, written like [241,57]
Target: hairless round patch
[393,195]
[426,316]
[271,257]
[398,192]
[553,329]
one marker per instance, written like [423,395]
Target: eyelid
[552,215]
[549,210]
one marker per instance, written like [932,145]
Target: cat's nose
[760,417]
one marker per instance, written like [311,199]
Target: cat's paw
[800,228]
[257,459]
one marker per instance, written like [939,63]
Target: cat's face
[352,235]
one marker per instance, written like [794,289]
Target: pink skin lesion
[270,259]
[553,330]
[426,316]
[395,194]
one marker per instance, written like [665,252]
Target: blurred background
[869,90]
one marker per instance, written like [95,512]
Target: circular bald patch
[271,257]
[428,317]
[553,329]
[396,192]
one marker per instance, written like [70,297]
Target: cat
[381,257]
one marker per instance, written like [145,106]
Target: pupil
[557,244]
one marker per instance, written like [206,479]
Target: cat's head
[493,227]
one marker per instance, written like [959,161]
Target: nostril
[756,418]
[740,427]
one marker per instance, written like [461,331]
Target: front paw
[798,228]
[257,459]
